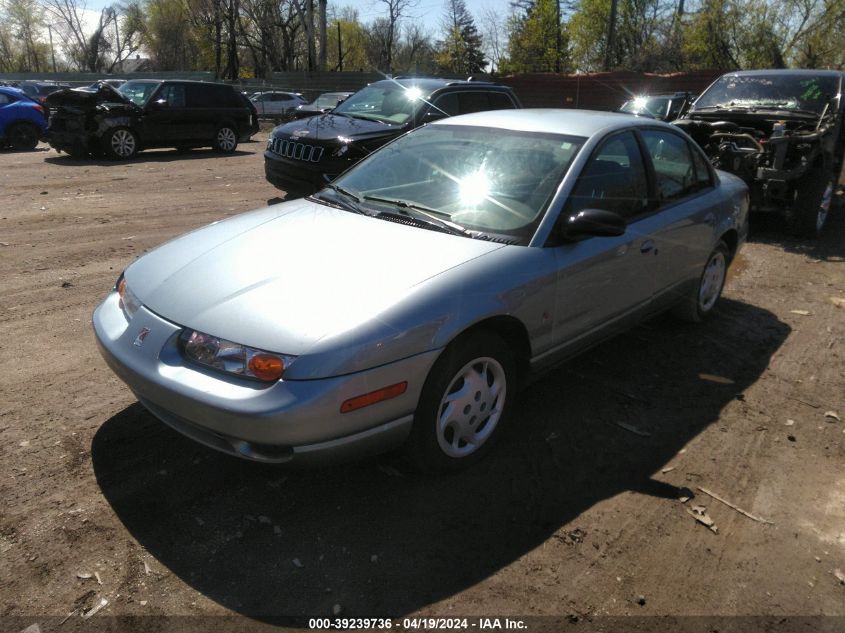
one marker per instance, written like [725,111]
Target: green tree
[533,40]
[460,51]
[640,34]
[346,42]
[22,48]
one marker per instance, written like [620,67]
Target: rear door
[204,103]
[686,200]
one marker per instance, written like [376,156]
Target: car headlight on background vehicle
[129,303]
[232,358]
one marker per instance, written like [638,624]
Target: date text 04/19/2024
[416,624]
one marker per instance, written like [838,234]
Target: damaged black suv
[782,132]
[147,113]
[304,155]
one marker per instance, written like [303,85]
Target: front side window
[138,92]
[614,179]
[486,180]
[174,95]
[673,166]
[5,99]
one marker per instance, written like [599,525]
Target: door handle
[646,246]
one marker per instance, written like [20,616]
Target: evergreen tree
[460,52]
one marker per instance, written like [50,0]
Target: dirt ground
[577,514]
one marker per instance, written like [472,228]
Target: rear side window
[213,96]
[673,166]
[500,101]
[613,180]
[702,172]
[5,99]
[473,102]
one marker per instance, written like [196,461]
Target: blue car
[22,120]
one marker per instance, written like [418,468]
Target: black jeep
[147,113]
[303,156]
[781,131]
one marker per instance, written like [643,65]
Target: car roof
[785,72]
[573,122]
[12,91]
[430,84]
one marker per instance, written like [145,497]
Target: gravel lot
[576,513]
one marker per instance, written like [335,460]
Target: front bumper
[295,421]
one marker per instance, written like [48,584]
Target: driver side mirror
[592,223]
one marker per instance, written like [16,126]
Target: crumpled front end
[78,117]
[770,154]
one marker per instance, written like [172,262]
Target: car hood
[330,126]
[285,277]
[103,93]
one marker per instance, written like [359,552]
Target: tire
[475,376]
[702,300]
[120,143]
[811,204]
[226,139]
[22,136]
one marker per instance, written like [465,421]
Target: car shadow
[376,538]
[773,229]
[149,156]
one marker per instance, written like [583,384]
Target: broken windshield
[777,91]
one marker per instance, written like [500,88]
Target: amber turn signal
[365,400]
[266,367]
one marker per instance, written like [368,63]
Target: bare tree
[494,35]
[396,10]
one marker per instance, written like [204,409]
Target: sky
[428,12]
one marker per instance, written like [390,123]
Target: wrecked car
[148,113]
[781,132]
[665,107]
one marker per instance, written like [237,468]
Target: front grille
[296,151]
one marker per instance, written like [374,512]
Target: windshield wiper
[347,199]
[428,213]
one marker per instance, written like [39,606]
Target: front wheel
[121,144]
[811,204]
[701,301]
[226,140]
[23,136]
[464,404]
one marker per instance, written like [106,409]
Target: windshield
[393,104]
[327,100]
[486,180]
[138,92]
[787,92]
[654,107]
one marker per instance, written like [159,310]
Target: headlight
[129,303]
[232,358]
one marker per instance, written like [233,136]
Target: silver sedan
[405,303]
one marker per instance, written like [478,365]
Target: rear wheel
[121,144]
[811,204]
[22,136]
[701,301]
[226,139]
[464,403]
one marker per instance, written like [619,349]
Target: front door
[604,283]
